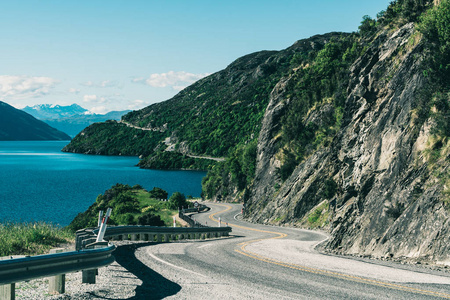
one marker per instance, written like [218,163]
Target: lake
[38,182]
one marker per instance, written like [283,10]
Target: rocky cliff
[373,186]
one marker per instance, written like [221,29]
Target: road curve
[266,262]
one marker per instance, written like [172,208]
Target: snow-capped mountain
[70,119]
[52,111]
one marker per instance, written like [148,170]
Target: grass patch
[318,216]
[31,238]
[156,206]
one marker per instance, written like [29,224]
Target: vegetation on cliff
[435,26]
[170,160]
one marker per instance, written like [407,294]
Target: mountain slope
[16,125]
[207,118]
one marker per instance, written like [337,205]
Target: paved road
[264,262]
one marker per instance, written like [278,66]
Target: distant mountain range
[50,111]
[17,125]
[70,119]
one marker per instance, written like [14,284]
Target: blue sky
[117,55]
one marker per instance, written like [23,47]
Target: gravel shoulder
[113,282]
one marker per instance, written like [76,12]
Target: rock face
[385,204]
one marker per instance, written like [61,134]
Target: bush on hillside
[150,219]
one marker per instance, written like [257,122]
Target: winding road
[265,262]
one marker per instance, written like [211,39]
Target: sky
[120,55]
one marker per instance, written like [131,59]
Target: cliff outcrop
[373,183]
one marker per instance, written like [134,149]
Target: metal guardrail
[154,233]
[187,218]
[149,233]
[28,268]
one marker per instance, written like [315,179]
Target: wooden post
[57,283]
[8,291]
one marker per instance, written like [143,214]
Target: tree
[177,201]
[368,26]
[435,26]
[158,193]
[150,219]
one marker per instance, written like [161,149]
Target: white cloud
[179,87]
[22,87]
[90,98]
[74,91]
[107,83]
[137,104]
[87,83]
[99,110]
[138,80]
[175,80]
[103,104]
[101,84]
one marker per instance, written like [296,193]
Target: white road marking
[203,246]
[174,266]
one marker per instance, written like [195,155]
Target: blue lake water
[38,182]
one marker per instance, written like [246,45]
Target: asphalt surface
[265,262]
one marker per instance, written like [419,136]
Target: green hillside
[17,125]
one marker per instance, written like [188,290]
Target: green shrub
[368,26]
[330,188]
[435,26]
[150,219]
[171,160]
[158,193]
[177,201]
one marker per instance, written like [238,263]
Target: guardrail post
[8,291]
[88,276]
[134,237]
[57,284]
[166,238]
